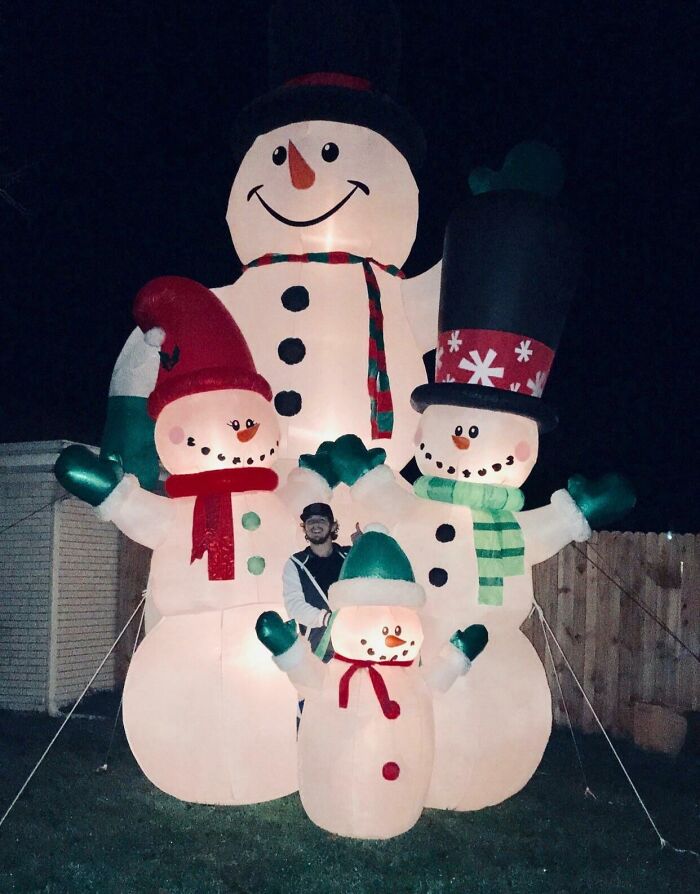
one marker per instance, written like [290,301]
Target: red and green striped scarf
[498,539]
[378,386]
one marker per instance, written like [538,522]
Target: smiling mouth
[356,184]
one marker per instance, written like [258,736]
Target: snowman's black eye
[249,423]
[279,156]
[330,152]
[235,424]
[385,630]
[397,631]
[473,431]
[458,431]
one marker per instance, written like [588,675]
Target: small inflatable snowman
[322,213]
[508,274]
[366,737]
[207,718]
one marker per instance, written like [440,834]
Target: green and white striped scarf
[500,548]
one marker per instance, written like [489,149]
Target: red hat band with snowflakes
[493,359]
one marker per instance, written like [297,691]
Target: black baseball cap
[322,509]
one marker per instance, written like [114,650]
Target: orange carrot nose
[392,641]
[245,434]
[302,175]
[460,443]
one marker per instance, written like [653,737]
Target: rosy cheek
[176,435]
[522,451]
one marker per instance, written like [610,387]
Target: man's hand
[321,462]
[275,634]
[604,500]
[472,641]
[351,459]
[87,476]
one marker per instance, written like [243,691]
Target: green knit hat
[376,572]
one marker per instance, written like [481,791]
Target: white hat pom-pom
[376,528]
[154,337]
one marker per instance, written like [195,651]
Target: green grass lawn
[78,830]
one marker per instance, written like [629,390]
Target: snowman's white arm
[305,671]
[548,529]
[303,486]
[378,492]
[442,672]
[294,600]
[421,297]
[141,515]
[136,369]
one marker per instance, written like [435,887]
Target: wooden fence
[618,652]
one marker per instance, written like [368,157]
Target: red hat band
[330,79]
[493,359]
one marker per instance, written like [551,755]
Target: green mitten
[129,434]
[351,459]
[604,500]
[87,476]
[275,634]
[472,641]
[321,462]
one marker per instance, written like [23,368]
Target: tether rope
[645,608]
[662,840]
[103,767]
[36,512]
[587,791]
[70,713]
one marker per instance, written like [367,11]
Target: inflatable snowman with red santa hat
[323,212]
[366,737]
[510,263]
[206,717]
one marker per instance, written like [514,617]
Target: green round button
[250,521]
[256,564]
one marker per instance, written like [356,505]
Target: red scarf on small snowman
[390,709]
[212,519]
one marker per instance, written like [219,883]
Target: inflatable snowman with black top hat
[322,213]
[366,737]
[207,718]
[509,270]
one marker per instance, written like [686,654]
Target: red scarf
[390,709]
[212,519]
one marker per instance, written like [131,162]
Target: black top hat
[333,60]
[509,272]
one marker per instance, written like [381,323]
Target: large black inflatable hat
[333,60]
[510,266]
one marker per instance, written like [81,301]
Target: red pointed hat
[201,347]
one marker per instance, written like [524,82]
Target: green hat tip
[377,555]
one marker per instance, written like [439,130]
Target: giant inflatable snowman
[207,718]
[366,737]
[322,213]
[508,273]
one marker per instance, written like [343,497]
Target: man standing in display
[308,574]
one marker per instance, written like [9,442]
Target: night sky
[114,143]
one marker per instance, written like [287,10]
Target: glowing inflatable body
[207,719]
[366,735]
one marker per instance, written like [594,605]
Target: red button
[390,771]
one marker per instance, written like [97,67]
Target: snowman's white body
[331,319]
[333,328]
[343,751]
[207,718]
[490,734]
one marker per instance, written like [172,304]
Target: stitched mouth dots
[466,473]
[482,472]
[190,442]
[221,457]
[496,467]
[510,460]
[236,460]
[206,450]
